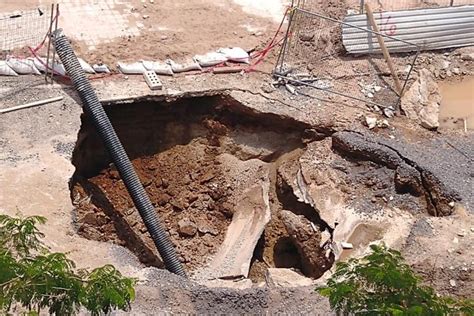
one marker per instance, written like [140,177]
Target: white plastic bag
[210,59]
[158,67]
[101,68]
[85,66]
[5,70]
[131,69]
[40,64]
[23,66]
[236,54]
[188,66]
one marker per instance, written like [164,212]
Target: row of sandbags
[13,66]
[170,67]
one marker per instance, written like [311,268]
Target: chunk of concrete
[421,102]
[251,216]
[286,278]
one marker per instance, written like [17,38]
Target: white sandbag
[85,66]
[188,66]
[131,69]
[236,54]
[210,59]
[5,70]
[158,67]
[101,68]
[40,64]
[23,66]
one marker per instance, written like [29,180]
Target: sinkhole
[203,161]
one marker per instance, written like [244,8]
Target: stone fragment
[371,122]
[187,227]
[346,245]
[421,102]
[286,278]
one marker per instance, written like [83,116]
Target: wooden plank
[385,52]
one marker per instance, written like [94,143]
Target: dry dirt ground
[199,143]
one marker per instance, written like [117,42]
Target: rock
[346,245]
[456,71]
[421,102]
[382,123]
[445,64]
[388,112]
[187,228]
[451,204]
[306,36]
[461,233]
[452,283]
[370,95]
[371,122]
[377,88]
[455,240]
[307,241]
[449,73]
[145,17]
[286,278]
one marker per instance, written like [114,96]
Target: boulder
[286,278]
[421,102]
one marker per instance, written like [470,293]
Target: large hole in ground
[196,158]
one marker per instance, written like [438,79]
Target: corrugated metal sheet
[428,28]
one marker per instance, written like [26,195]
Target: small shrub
[381,283]
[34,278]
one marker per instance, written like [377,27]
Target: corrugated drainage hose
[102,123]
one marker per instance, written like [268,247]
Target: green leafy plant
[35,279]
[381,283]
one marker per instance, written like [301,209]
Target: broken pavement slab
[281,277]
[251,215]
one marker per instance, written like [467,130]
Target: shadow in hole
[123,230]
[285,254]
[290,202]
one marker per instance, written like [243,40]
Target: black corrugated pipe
[102,123]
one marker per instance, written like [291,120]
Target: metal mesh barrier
[310,60]
[23,28]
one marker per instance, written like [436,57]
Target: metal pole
[49,43]
[55,29]
[29,105]
[452,3]
[406,81]
[285,41]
